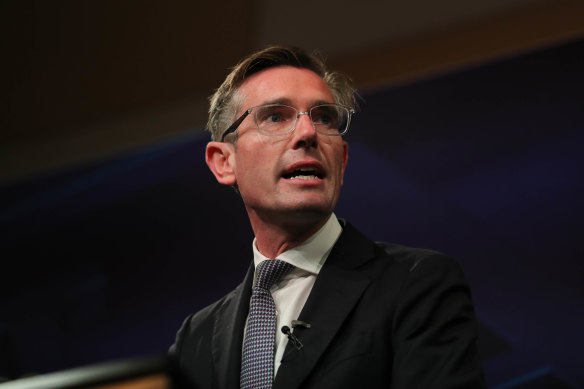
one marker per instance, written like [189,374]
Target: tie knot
[270,271]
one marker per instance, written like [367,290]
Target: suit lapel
[228,334]
[337,289]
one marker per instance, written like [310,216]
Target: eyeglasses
[280,119]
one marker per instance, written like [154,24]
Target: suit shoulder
[392,256]
[401,252]
[198,326]
[418,258]
[206,316]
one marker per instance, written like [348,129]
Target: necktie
[257,366]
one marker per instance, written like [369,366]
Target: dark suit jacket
[381,315]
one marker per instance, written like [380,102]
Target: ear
[345,159]
[220,159]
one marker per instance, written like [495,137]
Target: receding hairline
[277,99]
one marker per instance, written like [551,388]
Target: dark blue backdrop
[104,261]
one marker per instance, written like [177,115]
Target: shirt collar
[312,253]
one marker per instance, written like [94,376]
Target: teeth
[303,174]
[303,177]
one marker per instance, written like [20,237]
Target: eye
[325,116]
[275,117]
[274,114]
[325,119]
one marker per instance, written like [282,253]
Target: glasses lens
[275,119]
[330,119]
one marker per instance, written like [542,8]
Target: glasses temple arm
[236,124]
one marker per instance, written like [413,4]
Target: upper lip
[305,166]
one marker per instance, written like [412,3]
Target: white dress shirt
[291,292]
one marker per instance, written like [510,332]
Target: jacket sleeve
[190,355]
[435,329]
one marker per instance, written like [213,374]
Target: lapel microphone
[292,338]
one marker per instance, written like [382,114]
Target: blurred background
[468,140]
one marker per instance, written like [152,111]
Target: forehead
[285,84]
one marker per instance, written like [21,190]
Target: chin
[309,211]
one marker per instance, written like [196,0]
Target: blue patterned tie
[257,366]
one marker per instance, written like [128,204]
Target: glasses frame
[232,128]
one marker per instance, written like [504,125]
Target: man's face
[294,176]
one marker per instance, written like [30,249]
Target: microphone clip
[300,323]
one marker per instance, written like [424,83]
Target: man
[344,312]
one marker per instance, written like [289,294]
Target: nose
[305,132]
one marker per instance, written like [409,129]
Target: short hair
[225,102]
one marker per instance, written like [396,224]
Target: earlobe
[219,158]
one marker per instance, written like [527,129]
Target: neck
[273,238]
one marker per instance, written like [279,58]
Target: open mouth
[303,174]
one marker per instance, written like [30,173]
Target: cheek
[252,167]
[339,159]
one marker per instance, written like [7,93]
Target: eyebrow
[287,101]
